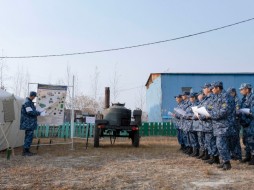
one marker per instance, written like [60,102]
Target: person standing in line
[222,114]
[235,144]
[186,104]
[200,130]
[246,121]
[190,125]
[177,122]
[212,155]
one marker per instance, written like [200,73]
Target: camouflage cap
[199,93]
[193,94]
[186,94]
[206,85]
[245,85]
[230,90]
[178,96]
[217,84]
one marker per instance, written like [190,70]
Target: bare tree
[95,83]
[86,104]
[25,84]
[3,76]
[20,81]
[3,68]
[115,84]
[69,82]
[141,97]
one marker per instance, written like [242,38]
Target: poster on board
[51,99]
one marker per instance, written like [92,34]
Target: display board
[51,98]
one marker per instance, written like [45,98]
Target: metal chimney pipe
[107,97]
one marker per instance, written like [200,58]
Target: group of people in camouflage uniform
[215,137]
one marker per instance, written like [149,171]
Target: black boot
[221,165]
[187,150]
[195,152]
[246,159]
[26,152]
[214,160]
[251,161]
[182,147]
[207,156]
[227,165]
[190,151]
[201,155]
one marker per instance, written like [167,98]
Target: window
[186,89]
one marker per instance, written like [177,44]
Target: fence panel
[81,130]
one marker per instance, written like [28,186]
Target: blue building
[162,87]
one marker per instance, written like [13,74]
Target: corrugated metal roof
[231,73]
[149,81]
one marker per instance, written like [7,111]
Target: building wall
[171,85]
[154,100]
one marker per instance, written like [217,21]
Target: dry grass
[156,164]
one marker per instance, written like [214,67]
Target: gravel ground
[156,164]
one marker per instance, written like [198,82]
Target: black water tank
[118,115]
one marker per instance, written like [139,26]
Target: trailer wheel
[96,136]
[135,139]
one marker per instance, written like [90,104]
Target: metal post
[72,114]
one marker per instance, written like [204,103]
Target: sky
[60,26]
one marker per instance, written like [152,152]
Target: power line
[127,47]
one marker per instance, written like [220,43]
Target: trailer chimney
[107,97]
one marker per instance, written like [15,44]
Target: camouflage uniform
[28,121]
[210,139]
[189,128]
[234,143]
[248,124]
[178,124]
[222,114]
[185,124]
[198,127]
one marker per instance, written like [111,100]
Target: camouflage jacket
[29,115]
[205,124]
[222,114]
[184,122]
[188,126]
[237,119]
[246,120]
[246,102]
[177,118]
[197,124]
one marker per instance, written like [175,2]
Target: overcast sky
[60,26]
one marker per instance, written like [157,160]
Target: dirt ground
[156,164]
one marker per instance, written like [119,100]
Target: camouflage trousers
[201,140]
[193,139]
[251,144]
[245,142]
[29,134]
[248,140]
[186,138]
[235,146]
[180,136]
[210,144]
[222,143]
